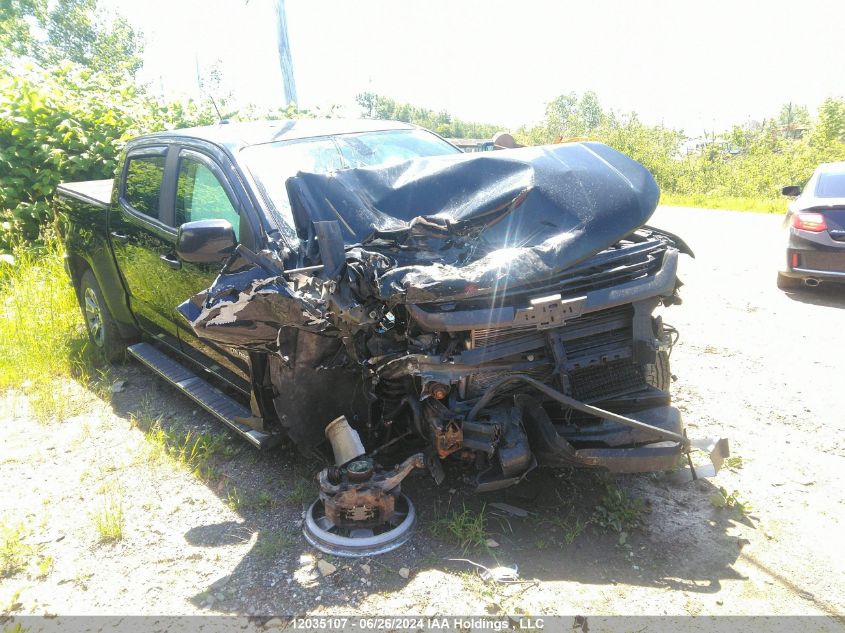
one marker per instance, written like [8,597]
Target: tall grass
[42,336]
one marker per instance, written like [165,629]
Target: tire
[659,375]
[788,283]
[101,328]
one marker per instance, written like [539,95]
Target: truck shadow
[584,527]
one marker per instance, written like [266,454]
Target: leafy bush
[63,124]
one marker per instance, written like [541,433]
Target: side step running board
[218,404]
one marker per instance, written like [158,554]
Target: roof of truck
[235,136]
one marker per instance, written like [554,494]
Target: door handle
[120,237]
[171,261]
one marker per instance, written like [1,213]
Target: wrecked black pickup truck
[368,283]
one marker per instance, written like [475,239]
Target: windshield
[831,185]
[271,164]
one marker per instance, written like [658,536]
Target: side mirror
[792,191]
[205,241]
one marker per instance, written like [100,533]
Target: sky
[691,65]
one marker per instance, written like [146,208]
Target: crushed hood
[474,224]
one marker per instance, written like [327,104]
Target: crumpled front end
[498,312]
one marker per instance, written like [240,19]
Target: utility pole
[285,61]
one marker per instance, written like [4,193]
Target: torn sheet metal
[246,308]
[461,225]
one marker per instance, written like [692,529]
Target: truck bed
[96,192]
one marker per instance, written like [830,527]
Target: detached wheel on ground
[788,283]
[102,330]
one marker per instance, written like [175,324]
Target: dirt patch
[207,525]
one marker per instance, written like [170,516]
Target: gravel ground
[754,364]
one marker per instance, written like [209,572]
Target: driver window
[200,196]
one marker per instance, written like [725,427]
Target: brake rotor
[327,537]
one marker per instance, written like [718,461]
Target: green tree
[76,30]
[562,117]
[793,119]
[374,106]
[16,20]
[830,125]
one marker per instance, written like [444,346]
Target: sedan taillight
[814,222]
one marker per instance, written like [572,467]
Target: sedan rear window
[831,185]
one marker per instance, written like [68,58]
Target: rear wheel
[658,374]
[102,330]
[788,283]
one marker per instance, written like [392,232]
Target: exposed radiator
[598,349]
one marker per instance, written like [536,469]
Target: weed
[261,500]
[109,520]
[192,450]
[270,544]
[570,527]
[229,450]
[13,604]
[303,491]
[730,501]
[81,579]
[207,472]
[45,566]
[734,462]
[15,553]
[475,585]
[465,528]
[233,499]
[617,511]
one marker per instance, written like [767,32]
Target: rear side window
[143,184]
[201,196]
[831,185]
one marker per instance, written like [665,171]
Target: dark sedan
[815,224]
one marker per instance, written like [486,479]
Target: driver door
[202,193]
